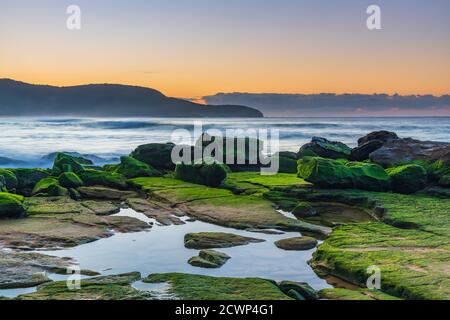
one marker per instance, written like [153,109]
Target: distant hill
[100,100]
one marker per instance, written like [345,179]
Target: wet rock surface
[298,243]
[209,259]
[22,270]
[400,151]
[209,240]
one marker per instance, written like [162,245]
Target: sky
[193,48]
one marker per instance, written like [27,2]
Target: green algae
[198,287]
[410,247]
[116,287]
[133,168]
[360,294]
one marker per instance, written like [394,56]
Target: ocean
[25,142]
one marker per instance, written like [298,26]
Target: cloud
[330,104]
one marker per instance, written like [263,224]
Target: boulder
[445,181]
[92,177]
[209,259]
[287,162]
[297,243]
[321,147]
[66,163]
[302,288]
[330,173]
[326,173]
[210,240]
[369,176]
[49,186]
[211,175]
[157,155]
[363,151]
[304,209]
[133,168]
[11,205]
[28,178]
[10,180]
[382,136]
[245,153]
[70,180]
[400,151]
[408,178]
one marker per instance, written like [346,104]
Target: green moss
[321,147]
[66,163]
[132,168]
[98,288]
[287,162]
[360,294]
[410,247]
[92,177]
[70,180]
[197,287]
[325,172]
[49,186]
[408,178]
[28,178]
[254,182]
[11,205]
[10,179]
[304,209]
[221,206]
[209,240]
[160,183]
[298,243]
[369,176]
[157,155]
[445,181]
[211,175]
[343,174]
[209,259]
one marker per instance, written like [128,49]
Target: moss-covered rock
[287,162]
[408,178]
[49,186]
[211,175]
[66,163]
[209,240]
[92,177]
[304,209]
[70,180]
[301,288]
[342,174]
[132,168]
[157,155]
[10,179]
[209,259]
[197,287]
[297,243]
[359,294]
[115,287]
[245,153]
[445,181]
[369,176]
[55,222]
[11,205]
[325,172]
[321,147]
[410,246]
[222,207]
[28,178]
